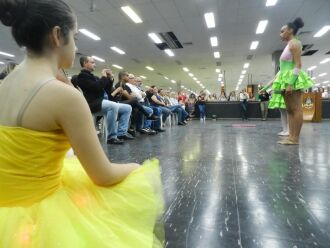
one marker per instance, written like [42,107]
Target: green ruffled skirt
[280,83]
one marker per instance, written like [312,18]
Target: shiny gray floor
[235,187]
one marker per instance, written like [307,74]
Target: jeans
[142,121]
[165,112]
[182,114]
[116,111]
[158,111]
[244,105]
[202,111]
[264,109]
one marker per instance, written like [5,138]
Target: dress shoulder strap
[29,98]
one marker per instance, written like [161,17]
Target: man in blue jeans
[93,89]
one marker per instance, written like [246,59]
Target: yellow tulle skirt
[80,214]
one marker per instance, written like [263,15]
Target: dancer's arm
[295,48]
[73,115]
[267,86]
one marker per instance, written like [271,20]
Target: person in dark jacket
[95,89]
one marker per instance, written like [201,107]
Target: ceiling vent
[187,43]
[307,47]
[160,74]
[171,41]
[218,63]
[249,57]
[309,53]
[328,52]
[136,61]
[178,62]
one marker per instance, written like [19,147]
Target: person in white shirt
[244,97]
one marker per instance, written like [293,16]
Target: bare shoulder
[295,44]
[63,93]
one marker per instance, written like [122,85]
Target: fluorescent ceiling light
[220,75]
[311,68]
[166,78]
[325,61]
[150,68]
[316,84]
[118,50]
[214,41]
[198,82]
[323,74]
[191,75]
[219,79]
[169,52]
[216,55]
[131,14]
[7,54]
[325,82]
[118,67]
[254,45]
[89,34]
[173,81]
[246,65]
[271,3]
[185,69]
[217,70]
[313,78]
[144,77]
[322,31]
[195,79]
[2,63]
[98,58]
[182,86]
[243,72]
[209,19]
[155,38]
[241,77]
[261,27]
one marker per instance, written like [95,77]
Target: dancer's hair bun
[298,22]
[12,11]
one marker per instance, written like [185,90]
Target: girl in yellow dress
[45,199]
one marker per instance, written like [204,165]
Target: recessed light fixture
[322,31]
[7,54]
[191,75]
[150,68]
[311,68]
[144,77]
[325,61]
[214,41]
[243,72]
[166,78]
[185,69]
[217,70]
[209,19]
[118,67]
[195,79]
[155,38]
[262,27]
[220,75]
[242,76]
[323,74]
[169,52]
[313,78]
[246,65]
[118,50]
[271,3]
[89,34]
[131,14]
[173,81]
[317,84]
[98,58]
[216,55]
[2,63]
[325,82]
[254,45]
[198,82]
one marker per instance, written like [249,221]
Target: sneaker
[143,131]
[115,141]
[160,130]
[151,132]
[283,133]
[153,118]
[182,123]
[126,137]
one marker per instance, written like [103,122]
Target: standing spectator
[182,98]
[264,101]
[244,97]
[175,107]
[94,89]
[201,105]
[191,102]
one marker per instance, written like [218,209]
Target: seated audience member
[159,107]
[232,96]
[94,89]
[7,70]
[223,97]
[175,107]
[143,124]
